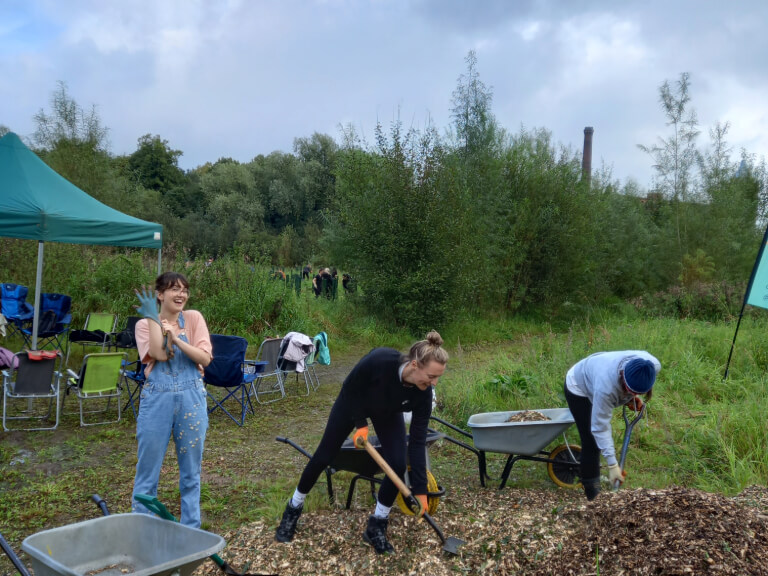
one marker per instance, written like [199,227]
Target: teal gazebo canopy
[36,203]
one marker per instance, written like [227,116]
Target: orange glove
[635,403]
[360,437]
[422,498]
[616,474]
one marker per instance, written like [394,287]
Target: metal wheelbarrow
[360,463]
[119,544]
[492,432]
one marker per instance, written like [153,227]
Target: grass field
[700,432]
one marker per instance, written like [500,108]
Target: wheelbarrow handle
[293,444]
[154,505]
[15,560]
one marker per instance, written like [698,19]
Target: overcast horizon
[241,78]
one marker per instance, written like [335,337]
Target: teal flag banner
[757,291]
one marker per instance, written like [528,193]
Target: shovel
[450,544]
[154,505]
[628,426]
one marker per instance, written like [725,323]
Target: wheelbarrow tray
[357,461]
[121,544]
[492,433]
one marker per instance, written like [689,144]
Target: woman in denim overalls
[175,345]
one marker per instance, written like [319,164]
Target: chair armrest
[72,373]
[257,365]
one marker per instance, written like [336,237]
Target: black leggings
[581,408]
[390,430]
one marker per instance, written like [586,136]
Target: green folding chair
[97,331]
[98,382]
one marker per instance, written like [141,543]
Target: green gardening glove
[148,307]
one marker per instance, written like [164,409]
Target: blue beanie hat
[640,375]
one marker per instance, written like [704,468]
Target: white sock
[297,500]
[381,511]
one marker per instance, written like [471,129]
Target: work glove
[360,437]
[616,474]
[422,498]
[148,307]
[635,403]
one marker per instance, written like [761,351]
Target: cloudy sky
[238,78]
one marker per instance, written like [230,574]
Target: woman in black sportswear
[382,386]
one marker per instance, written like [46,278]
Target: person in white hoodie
[595,386]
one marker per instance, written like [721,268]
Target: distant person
[317,283]
[595,386]
[175,346]
[348,283]
[326,283]
[306,273]
[382,386]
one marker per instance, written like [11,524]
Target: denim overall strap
[173,402]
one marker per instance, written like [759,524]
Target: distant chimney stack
[586,159]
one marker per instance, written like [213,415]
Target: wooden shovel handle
[404,490]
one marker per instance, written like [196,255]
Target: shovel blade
[452,545]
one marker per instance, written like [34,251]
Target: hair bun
[435,339]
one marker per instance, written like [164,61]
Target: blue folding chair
[53,323]
[134,379]
[14,306]
[231,372]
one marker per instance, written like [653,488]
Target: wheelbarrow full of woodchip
[522,435]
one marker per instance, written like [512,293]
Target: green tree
[473,121]
[155,165]
[675,157]
[394,228]
[74,143]
[732,195]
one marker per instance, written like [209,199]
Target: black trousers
[390,430]
[581,408]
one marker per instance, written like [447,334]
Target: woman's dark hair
[429,349]
[169,279]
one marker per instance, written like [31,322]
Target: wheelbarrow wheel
[432,501]
[564,470]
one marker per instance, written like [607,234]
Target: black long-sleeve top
[373,388]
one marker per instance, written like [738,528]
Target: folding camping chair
[230,371]
[133,372]
[311,361]
[34,378]
[99,380]
[301,346]
[14,306]
[53,322]
[97,331]
[125,339]
[269,350]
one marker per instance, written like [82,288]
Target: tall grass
[701,430]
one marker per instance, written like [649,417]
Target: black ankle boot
[591,488]
[376,535]
[287,527]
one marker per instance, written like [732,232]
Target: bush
[709,301]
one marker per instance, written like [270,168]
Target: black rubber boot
[287,527]
[591,488]
[376,535]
